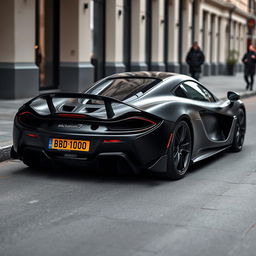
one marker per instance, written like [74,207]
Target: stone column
[173,35]
[232,35]
[223,45]
[235,41]
[245,37]
[240,64]
[207,65]
[242,48]
[199,23]
[76,70]
[138,57]
[114,37]
[238,39]
[19,77]
[237,36]
[243,41]
[186,34]
[157,52]
[218,44]
[215,35]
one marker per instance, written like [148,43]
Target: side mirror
[233,96]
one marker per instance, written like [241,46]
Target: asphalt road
[210,212]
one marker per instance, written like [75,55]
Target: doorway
[180,37]
[47,43]
[148,33]
[127,35]
[98,58]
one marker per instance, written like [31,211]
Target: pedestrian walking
[249,61]
[195,59]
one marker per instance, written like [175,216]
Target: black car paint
[146,149]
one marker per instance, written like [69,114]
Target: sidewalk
[8,108]
[219,85]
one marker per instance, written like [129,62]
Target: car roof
[172,78]
[145,74]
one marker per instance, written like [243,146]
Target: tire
[239,134]
[179,153]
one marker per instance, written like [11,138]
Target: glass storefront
[47,43]
[99,38]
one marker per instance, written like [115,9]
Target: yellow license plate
[64,144]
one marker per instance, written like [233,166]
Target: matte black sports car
[157,121]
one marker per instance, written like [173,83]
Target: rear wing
[49,98]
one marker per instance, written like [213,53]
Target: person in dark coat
[195,59]
[249,61]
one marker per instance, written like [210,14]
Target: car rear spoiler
[48,97]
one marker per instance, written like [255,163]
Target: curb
[6,150]
[5,153]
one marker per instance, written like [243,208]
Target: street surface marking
[33,201]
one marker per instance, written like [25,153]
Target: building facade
[65,45]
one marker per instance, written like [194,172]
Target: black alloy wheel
[239,134]
[179,153]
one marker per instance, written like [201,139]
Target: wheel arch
[189,123]
[243,108]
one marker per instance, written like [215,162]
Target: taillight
[32,135]
[112,141]
[24,113]
[71,115]
[169,141]
[28,119]
[131,124]
[142,119]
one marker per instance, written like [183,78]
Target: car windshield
[123,88]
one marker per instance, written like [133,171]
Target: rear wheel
[179,153]
[239,134]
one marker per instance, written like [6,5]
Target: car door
[216,122]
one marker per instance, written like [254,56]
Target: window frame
[144,90]
[215,99]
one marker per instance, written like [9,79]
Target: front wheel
[239,134]
[179,153]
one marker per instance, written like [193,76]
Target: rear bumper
[135,151]
[116,160]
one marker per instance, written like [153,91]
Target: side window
[195,91]
[180,92]
[207,94]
